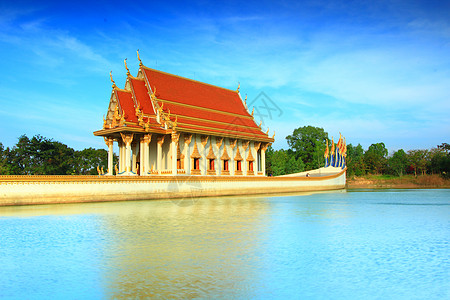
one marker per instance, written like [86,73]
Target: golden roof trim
[204,108]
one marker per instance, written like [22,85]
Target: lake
[356,244]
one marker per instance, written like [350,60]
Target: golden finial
[153,95]
[126,67]
[267,132]
[239,86]
[253,111]
[139,58]
[273,136]
[260,124]
[245,100]
[110,76]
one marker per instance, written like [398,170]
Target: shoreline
[404,182]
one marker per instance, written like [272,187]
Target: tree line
[43,156]
[307,147]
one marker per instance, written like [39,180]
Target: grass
[407,181]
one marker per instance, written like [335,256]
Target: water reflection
[168,251]
[318,245]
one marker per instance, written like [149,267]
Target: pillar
[244,163]
[263,158]
[160,141]
[109,143]
[232,164]
[174,144]
[127,139]
[187,153]
[141,156]
[146,154]
[204,140]
[134,151]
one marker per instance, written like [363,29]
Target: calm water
[388,244]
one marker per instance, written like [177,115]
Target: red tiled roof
[141,94]
[127,104]
[187,91]
[197,107]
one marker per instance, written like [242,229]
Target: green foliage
[308,143]
[43,156]
[375,158]
[307,147]
[88,160]
[355,160]
[398,163]
[418,160]
[282,162]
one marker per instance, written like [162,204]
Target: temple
[165,124]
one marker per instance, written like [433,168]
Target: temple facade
[165,124]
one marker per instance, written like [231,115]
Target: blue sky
[377,71]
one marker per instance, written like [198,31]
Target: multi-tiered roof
[159,102]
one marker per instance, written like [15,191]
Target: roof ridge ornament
[139,58]
[112,80]
[126,67]
[239,86]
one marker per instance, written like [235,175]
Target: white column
[231,165]
[160,141]
[263,159]
[146,153]
[141,156]
[109,143]
[175,138]
[128,157]
[127,139]
[187,153]
[134,151]
[110,157]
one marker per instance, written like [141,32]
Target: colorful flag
[326,155]
[333,158]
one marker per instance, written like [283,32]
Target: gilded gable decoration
[195,153]
[238,155]
[225,155]
[250,156]
[210,153]
[126,67]
[113,83]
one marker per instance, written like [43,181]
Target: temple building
[165,124]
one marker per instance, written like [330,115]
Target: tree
[89,159]
[279,162]
[398,163]
[40,156]
[418,160]
[294,165]
[355,160]
[375,158]
[4,166]
[440,160]
[308,143]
